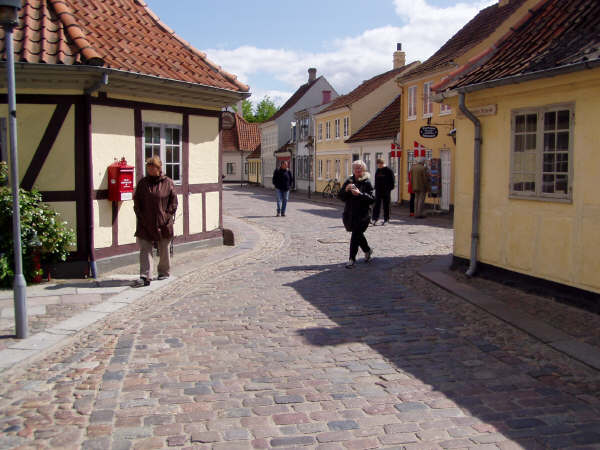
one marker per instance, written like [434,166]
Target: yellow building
[418,107]
[254,161]
[83,107]
[536,208]
[346,114]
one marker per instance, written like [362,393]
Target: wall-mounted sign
[428,131]
[227,120]
[487,110]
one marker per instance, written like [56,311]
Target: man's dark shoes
[141,282]
[163,277]
[282,214]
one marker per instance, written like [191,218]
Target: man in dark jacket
[384,185]
[282,180]
[155,204]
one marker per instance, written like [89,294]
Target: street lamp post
[9,19]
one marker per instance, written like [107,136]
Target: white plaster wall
[233,157]
[195,213]
[212,211]
[58,171]
[162,117]
[126,227]
[113,136]
[103,223]
[204,150]
[68,213]
[178,227]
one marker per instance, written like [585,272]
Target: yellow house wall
[333,148]
[557,241]
[204,150]
[254,170]
[195,213]
[212,211]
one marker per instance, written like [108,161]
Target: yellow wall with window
[334,149]
[552,239]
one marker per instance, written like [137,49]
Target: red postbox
[120,181]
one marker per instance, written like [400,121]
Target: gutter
[476,184]
[89,188]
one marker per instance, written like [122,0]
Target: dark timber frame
[84,194]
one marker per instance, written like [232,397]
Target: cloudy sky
[270,44]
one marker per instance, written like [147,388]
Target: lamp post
[9,19]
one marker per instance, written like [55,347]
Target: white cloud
[352,59]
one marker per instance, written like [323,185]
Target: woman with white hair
[357,193]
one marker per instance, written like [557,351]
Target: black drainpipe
[476,184]
[89,188]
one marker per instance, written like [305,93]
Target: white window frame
[320,131]
[539,152]
[346,126]
[445,109]
[328,169]
[347,168]
[163,150]
[328,130]
[411,110]
[338,169]
[367,160]
[427,102]
[412,159]
[320,164]
[230,168]
[336,128]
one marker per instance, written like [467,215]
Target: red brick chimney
[399,57]
[312,74]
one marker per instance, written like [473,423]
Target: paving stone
[206,437]
[292,440]
[340,425]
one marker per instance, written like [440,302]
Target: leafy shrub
[40,225]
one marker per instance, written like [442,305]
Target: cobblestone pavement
[285,348]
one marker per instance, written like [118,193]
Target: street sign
[428,132]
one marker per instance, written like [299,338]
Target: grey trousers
[164,264]
[420,203]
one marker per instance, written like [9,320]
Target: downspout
[400,160]
[89,188]
[476,184]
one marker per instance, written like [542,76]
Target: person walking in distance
[357,193]
[419,178]
[155,204]
[384,184]
[282,180]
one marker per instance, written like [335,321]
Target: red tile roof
[473,33]
[245,136]
[117,34]
[296,96]
[385,125]
[366,87]
[554,34]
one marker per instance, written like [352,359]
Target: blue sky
[270,44]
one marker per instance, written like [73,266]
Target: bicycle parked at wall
[332,189]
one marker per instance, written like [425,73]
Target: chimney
[326,97]
[502,3]
[399,57]
[312,74]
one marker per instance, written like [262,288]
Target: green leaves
[39,224]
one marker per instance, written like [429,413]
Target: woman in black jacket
[357,192]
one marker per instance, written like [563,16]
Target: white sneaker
[368,255]
[350,264]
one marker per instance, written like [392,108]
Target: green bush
[40,226]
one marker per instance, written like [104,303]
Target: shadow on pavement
[428,340]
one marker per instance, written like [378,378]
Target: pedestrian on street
[411,203]
[155,204]
[384,185]
[283,181]
[419,177]
[357,193]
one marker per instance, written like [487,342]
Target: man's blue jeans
[282,199]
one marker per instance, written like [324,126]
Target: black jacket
[283,179]
[357,212]
[384,180]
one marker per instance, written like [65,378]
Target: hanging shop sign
[428,132]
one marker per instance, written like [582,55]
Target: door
[446,179]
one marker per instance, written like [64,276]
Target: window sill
[540,198]
[411,118]
[445,113]
[427,116]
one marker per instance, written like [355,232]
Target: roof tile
[118,34]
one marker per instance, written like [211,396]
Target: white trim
[162,147]
[411,99]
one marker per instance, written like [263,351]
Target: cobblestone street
[282,347]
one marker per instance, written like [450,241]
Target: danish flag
[419,150]
[396,151]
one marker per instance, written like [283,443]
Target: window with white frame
[367,160]
[230,168]
[246,168]
[164,141]
[427,103]
[347,167]
[542,152]
[338,169]
[328,169]
[293,132]
[445,109]
[327,130]
[337,128]
[320,133]
[412,159]
[412,103]
[320,169]
[346,126]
